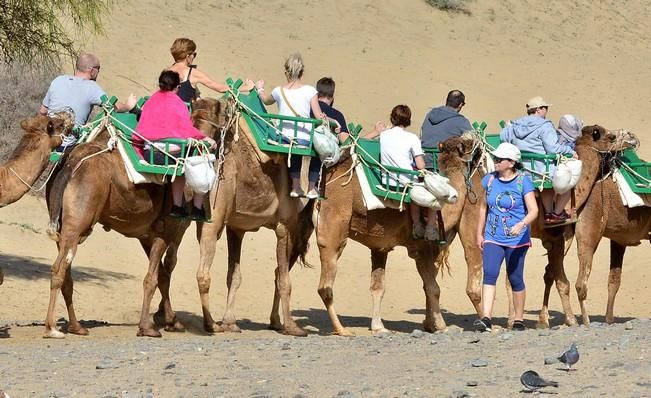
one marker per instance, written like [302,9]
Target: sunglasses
[96,67]
[194,54]
[499,160]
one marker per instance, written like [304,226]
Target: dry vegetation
[20,96]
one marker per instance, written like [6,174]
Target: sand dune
[587,58]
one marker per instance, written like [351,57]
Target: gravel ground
[615,361]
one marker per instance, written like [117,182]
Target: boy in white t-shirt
[296,99]
[400,148]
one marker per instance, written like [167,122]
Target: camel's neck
[26,166]
[591,170]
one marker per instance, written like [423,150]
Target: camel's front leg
[233,278]
[165,314]
[614,277]
[283,283]
[474,264]
[331,238]
[74,326]
[548,278]
[587,241]
[149,284]
[378,268]
[208,236]
[67,250]
[427,269]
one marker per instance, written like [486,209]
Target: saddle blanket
[630,198]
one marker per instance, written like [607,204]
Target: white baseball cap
[536,102]
[507,150]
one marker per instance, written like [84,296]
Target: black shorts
[160,157]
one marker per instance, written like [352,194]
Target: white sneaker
[296,194]
[313,194]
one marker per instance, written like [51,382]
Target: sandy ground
[588,58]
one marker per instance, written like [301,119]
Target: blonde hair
[181,48]
[294,66]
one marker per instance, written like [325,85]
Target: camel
[605,215]
[141,204]
[253,192]
[41,135]
[595,146]
[343,215]
[92,187]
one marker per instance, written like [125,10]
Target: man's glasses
[96,67]
[499,160]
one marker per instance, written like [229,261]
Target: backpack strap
[520,183]
[489,184]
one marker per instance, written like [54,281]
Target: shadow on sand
[34,268]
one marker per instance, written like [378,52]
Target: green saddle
[266,127]
[636,172]
[125,123]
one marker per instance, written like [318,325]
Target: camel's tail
[55,200]
[300,240]
[442,259]
[568,236]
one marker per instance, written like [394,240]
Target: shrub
[21,93]
[450,5]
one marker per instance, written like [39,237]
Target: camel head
[209,115]
[459,152]
[604,140]
[41,135]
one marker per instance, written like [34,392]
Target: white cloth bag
[326,145]
[199,173]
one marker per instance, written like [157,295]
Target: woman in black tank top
[184,52]
[186,91]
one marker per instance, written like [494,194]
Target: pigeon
[570,357]
[533,382]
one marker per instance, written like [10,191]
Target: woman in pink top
[165,115]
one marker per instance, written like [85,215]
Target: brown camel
[594,147]
[605,215]
[253,192]
[343,215]
[92,186]
[41,135]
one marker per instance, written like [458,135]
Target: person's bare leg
[177,190]
[487,300]
[562,201]
[518,303]
[547,198]
[197,200]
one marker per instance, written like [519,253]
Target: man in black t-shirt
[325,88]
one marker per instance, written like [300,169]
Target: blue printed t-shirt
[506,207]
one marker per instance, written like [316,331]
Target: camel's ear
[596,134]
[50,127]
[440,147]
[29,124]
[460,149]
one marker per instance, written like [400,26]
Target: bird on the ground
[570,357]
[532,381]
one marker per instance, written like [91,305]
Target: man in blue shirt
[80,93]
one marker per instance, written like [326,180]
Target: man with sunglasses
[534,133]
[79,93]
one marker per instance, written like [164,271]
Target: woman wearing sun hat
[503,232]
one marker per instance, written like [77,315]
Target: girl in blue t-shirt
[503,232]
